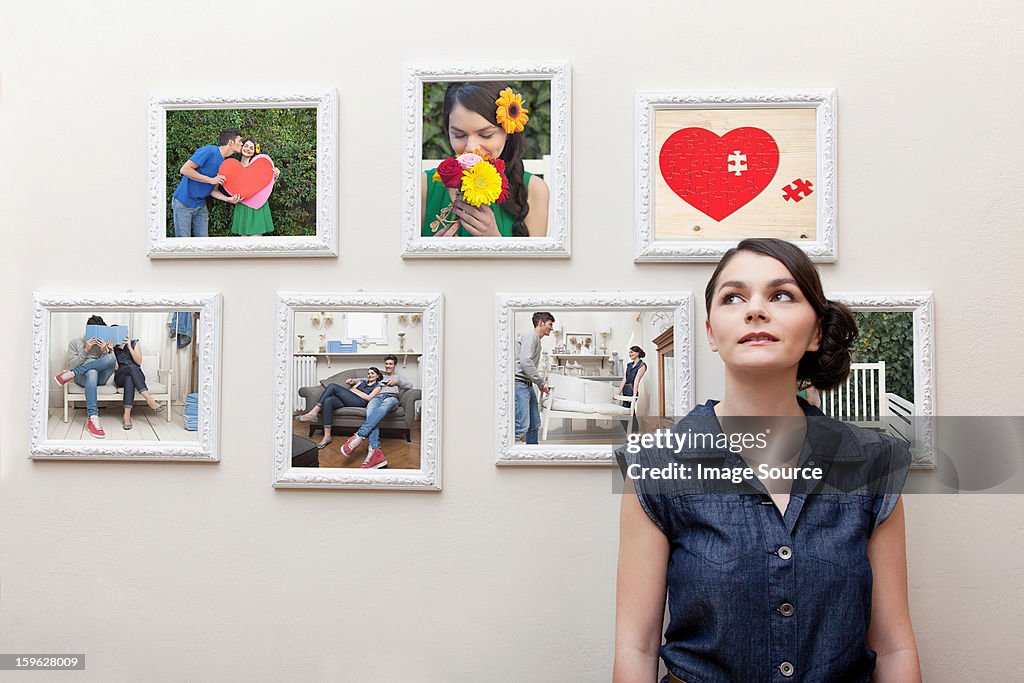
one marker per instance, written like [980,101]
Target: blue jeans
[189,222]
[132,379]
[527,412]
[337,396]
[376,410]
[90,375]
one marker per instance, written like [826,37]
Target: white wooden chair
[158,380]
[574,398]
[862,399]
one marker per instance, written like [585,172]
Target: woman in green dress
[246,220]
[486,117]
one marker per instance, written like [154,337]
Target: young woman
[246,220]
[477,116]
[130,377]
[634,372]
[357,395]
[770,578]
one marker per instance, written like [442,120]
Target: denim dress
[757,595]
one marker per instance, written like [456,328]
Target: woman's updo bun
[828,367]
[639,352]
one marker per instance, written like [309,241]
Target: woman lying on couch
[356,395]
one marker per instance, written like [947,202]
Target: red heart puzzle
[246,180]
[718,175]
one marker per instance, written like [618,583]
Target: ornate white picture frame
[207,338]
[556,244]
[911,420]
[430,308]
[782,173]
[509,452]
[323,243]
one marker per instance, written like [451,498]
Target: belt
[674,679]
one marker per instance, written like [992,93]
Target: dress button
[785,552]
[786,609]
[786,669]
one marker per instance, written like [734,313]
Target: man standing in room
[201,178]
[528,373]
[376,410]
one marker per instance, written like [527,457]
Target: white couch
[574,398]
[158,380]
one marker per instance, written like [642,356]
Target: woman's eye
[731,299]
[783,296]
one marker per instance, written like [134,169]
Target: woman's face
[372,376]
[633,355]
[468,131]
[759,318]
[248,148]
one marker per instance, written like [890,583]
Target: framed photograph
[580,342]
[714,168]
[556,406]
[243,176]
[891,387]
[368,418]
[126,376]
[486,166]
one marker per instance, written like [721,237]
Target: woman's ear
[711,336]
[815,342]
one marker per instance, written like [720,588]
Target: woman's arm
[136,352]
[639,375]
[891,634]
[366,396]
[537,196]
[639,594]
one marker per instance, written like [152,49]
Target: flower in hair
[257,147]
[511,114]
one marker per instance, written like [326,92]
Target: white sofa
[158,380]
[574,398]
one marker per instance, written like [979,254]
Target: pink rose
[469,160]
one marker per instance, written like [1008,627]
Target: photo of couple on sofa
[363,400]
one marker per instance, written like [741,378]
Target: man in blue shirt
[201,177]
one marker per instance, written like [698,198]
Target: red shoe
[64,377]
[350,446]
[93,425]
[375,461]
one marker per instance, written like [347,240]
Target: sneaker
[375,461]
[93,425]
[64,377]
[350,446]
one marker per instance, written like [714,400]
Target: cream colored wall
[175,571]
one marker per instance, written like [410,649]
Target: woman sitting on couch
[356,395]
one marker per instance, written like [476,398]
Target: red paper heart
[718,175]
[246,180]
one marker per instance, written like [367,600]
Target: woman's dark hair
[827,367]
[640,352]
[380,374]
[95,320]
[481,97]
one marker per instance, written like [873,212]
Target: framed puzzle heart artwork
[714,168]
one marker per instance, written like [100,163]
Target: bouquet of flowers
[473,177]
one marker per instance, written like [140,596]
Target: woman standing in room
[486,118]
[247,220]
[635,370]
[357,395]
[769,579]
[130,377]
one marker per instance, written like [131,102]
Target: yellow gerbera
[481,184]
[511,114]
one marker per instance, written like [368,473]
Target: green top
[438,200]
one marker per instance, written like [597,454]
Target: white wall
[176,571]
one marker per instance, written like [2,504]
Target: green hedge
[536,99]
[288,136]
[888,337]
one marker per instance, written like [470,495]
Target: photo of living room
[356,394]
